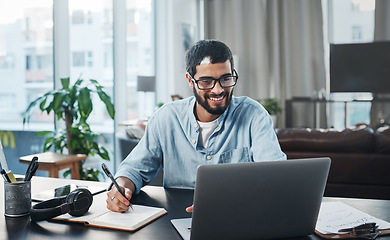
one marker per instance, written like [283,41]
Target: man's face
[212,102]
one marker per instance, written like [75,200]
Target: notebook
[258,200]
[99,216]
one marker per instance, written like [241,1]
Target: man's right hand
[115,201]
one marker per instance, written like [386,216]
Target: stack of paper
[334,216]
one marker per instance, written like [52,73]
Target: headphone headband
[77,203]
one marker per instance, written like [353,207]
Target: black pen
[108,173]
[32,167]
[5,177]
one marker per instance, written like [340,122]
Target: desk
[53,162]
[173,200]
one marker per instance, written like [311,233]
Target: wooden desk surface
[173,200]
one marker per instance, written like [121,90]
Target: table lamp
[146,84]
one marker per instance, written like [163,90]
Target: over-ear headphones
[77,203]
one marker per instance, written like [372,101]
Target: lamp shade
[146,83]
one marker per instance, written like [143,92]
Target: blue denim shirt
[244,134]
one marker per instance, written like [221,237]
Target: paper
[130,220]
[2,159]
[334,216]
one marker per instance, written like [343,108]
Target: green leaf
[59,115]
[49,108]
[107,101]
[78,83]
[27,113]
[85,103]
[96,84]
[66,173]
[103,153]
[72,96]
[73,144]
[65,83]
[58,101]
[42,105]
[47,144]
[42,133]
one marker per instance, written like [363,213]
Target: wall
[172,17]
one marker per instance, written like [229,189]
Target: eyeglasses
[206,83]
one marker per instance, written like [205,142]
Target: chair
[176,97]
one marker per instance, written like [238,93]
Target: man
[210,128]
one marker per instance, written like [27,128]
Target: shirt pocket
[235,156]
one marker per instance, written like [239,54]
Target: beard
[218,110]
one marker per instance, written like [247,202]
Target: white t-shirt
[205,130]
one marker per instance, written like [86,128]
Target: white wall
[170,64]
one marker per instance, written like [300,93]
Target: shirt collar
[193,120]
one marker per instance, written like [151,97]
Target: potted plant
[73,104]
[273,107]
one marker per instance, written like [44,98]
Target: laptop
[256,200]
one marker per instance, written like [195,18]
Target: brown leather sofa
[360,158]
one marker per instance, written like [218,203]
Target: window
[88,43]
[7,61]
[26,56]
[345,23]
[89,59]
[356,33]
[140,56]
[77,16]
[7,101]
[350,25]
[78,59]
[26,66]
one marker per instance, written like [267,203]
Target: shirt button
[208,157]
[193,141]
[196,125]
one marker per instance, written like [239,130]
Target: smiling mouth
[217,99]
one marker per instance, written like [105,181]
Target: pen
[32,168]
[108,173]
[5,177]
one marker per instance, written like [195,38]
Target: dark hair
[217,51]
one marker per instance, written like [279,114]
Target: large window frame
[114,57]
[343,25]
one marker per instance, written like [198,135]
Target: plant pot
[274,120]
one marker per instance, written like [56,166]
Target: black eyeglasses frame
[235,75]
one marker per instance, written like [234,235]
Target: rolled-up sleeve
[144,161]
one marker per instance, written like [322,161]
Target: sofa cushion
[360,139]
[382,145]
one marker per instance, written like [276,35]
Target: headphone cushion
[79,200]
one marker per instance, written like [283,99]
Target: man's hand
[115,201]
[190,208]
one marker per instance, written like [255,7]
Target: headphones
[76,203]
